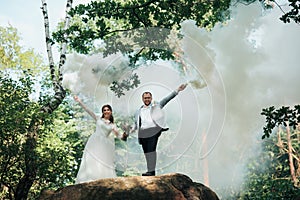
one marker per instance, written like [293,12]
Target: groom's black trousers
[148,138]
[149,144]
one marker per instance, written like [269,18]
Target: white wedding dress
[98,155]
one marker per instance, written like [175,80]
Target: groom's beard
[147,103]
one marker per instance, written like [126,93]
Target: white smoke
[248,64]
[256,56]
[91,75]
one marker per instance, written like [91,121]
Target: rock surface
[169,186]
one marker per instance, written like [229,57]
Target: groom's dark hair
[146,93]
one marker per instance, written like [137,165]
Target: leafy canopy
[14,56]
[110,19]
[293,14]
[285,116]
[59,145]
[137,28]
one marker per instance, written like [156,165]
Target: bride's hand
[76,98]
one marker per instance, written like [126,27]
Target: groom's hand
[124,137]
[181,87]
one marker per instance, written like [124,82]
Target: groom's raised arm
[165,100]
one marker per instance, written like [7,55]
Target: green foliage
[127,84]
[267,176]
[13,55]
[269,173]
[111,19]
[276,117]
[59,150]
[293,14]
[138,28]
[16,111]
[59,146]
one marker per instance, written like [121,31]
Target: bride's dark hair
[111,119]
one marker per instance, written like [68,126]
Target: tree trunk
[205,160]
[298,155]
[30,170]
[290,153]
[31,167]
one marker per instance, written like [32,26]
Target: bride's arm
[117,133]
[91,113]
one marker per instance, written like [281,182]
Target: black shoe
[149,174]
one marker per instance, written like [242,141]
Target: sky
[248,64]
[27,17]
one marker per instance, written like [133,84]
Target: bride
[98,156]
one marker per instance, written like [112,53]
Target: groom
[149,121]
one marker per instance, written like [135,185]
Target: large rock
[169,186]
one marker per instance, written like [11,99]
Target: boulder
[169,186]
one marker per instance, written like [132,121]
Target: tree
[111,19]
[288,118]
[14,56]
[59,146]
[268,174]
[293,14]
[137,28]
[38,117]
[15,118]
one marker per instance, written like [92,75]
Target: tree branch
[291,163]
[119,31]
[48,41]
[279,6]
[140,6]
[63,49]
[248,3]
[30,170]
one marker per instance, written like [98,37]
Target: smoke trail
[248,64]
[91,75]
[256,56]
